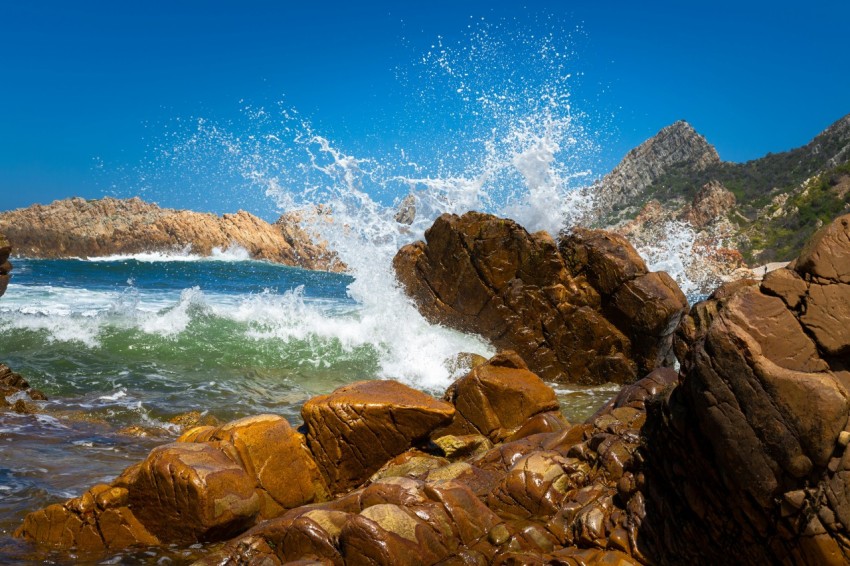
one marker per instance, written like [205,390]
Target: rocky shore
[739,457]
[94,228]
[584,309]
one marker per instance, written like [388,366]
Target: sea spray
[489,125]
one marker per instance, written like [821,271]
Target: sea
[122,346]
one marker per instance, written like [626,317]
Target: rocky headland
[740,457]
[83,228]
[741,214]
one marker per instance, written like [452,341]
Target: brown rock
[356,429]
[89,228]
[496,398]
[827,254]
[97,520]
[276,455]
[5,266]
[188,492]
[653,306]
[710,203]
[487,275]
[606,259]
[533,488]
[758,425]
[11,383]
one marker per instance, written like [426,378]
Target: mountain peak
[677,145]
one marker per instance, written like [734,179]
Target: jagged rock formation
[584,310]
[748,457]
[676,145]
[81,228]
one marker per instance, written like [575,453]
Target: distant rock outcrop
[89,228]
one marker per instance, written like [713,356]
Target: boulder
[354,430]
[211,484]
[758,427]
[99,519]
[191,492]
[496,398]
[577,311]
[275,455]
[12,382]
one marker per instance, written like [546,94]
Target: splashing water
[492,129]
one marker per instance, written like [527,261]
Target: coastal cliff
[90,228]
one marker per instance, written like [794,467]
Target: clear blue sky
[85,82]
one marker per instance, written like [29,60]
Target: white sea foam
[174,320]
[233,252]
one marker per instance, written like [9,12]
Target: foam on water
[234,252]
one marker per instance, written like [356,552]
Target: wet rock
[99,519]
[143,431]
[753,432]
[276,456]
[356,429]
[549,302]
[213,483]
[496,398]
[463,446]
[188,492]
[12,383]
[194,419]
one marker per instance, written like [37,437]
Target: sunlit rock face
[78,227]
[758,428]
[584,309]
[676,145]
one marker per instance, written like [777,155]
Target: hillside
[772,204]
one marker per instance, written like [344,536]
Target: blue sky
[89,88]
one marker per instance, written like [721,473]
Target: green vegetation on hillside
[781,237]
[772,230]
